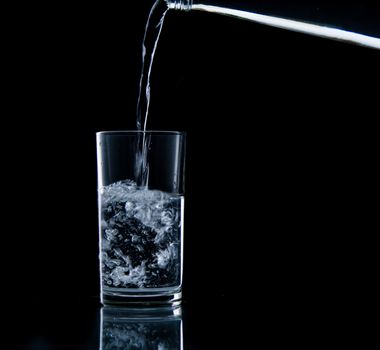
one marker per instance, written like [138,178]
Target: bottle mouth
[184,5]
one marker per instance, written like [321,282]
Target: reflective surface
[221,324]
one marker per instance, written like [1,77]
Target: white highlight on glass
[296,26]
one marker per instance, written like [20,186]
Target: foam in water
[140,237]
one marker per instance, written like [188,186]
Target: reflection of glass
[141,328]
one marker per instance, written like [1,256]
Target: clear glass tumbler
[141,213]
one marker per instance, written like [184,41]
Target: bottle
[351,21]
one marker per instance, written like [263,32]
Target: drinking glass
[141,216]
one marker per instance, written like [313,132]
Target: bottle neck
[184,5]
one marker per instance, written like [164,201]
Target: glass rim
[136,132]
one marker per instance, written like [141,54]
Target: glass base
[147,297]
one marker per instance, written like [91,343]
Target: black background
[282,233]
